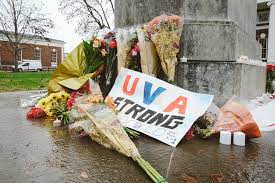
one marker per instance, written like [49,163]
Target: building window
[19,54]
[263,40]
[37,54]
[263,17]
[53,57]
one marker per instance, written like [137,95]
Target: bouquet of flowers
[148,54]
[48,103]
[133,56]
[128,49]
[165,31]
[97,118]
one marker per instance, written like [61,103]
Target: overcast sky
[63,30]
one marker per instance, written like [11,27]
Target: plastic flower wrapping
[165,31]
[128,49]
[146,48]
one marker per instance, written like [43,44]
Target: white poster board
[156,108]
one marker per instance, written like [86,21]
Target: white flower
[96,43]
[103,52]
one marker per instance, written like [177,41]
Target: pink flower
[135,50]
[134,53]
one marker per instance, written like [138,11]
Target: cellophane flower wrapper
[123,38]
[99,121]
[149,57]
[236,117]
[165,32]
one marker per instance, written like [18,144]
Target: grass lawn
[23,81]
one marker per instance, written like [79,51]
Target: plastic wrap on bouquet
[124,39]
[100,122]
[235,117]
[103,127]
[149,57]
[166,33]
[71,67]
[70,72]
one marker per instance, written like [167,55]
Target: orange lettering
[180,103]
[126,83]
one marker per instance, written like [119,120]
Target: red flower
[71,100]
[270,67]
[87,87]
[113,44]
[36,113]
[84,89]
[189,135]
[69,103]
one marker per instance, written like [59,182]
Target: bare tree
[19,18]
[91,15]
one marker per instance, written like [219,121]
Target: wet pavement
[35,152]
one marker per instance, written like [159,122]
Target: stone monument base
[222,79]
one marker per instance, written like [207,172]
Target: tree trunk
[16,60]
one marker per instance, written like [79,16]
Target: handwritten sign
[156,108]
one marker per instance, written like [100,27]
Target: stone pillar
[271,33]
[215,34]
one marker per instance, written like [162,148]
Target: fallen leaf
[84,175]
[189,179]
[216,177]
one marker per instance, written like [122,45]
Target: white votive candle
[225,137]
[239,138]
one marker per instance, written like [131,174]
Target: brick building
[49,51]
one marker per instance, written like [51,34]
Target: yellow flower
[49,106]
[62,96]
[65,95]
[96,43]
[103,52]
[59,97]
[50,113]
[52,97]
[42,103]
[48,100]
[49,109]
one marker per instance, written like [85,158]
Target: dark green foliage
[93,57]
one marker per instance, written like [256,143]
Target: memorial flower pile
[74,96]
